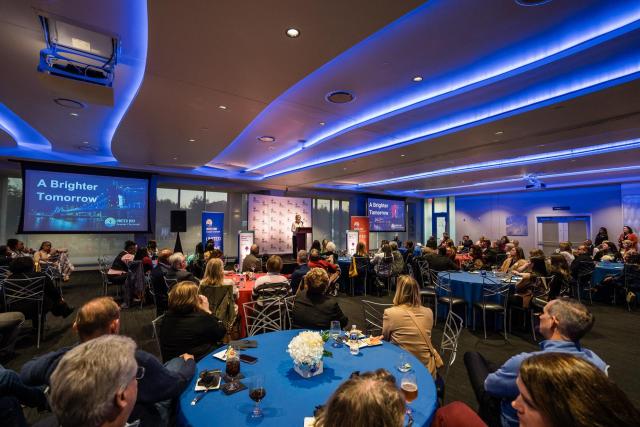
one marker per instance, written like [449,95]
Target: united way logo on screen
[110,222]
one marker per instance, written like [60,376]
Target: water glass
[403,363]
[409,388]
[334,333]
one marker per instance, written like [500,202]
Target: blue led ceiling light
[515,161]
[541,55]
[538,97]
[22,133]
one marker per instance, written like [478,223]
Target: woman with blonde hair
[214,276]
[408,324]
[189,326]
[560,389]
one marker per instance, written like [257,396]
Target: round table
[604,269]
[469,286]
[290,398]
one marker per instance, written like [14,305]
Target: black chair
[631,282]
[442,283]
[384,274]
[539,299]
[500,259]
[427,289]
[490,290]
[362,267]
[584,280]
[23,293]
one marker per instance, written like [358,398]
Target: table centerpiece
[306,349]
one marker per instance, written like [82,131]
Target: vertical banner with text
[245,240]
[213,228]
[352,241]
[361,225]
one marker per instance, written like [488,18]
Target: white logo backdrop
[270,217]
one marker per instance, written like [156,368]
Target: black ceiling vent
[531,2]
[340,97]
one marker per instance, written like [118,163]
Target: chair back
[4,272]
[288,311]
[273,290]
[221,303]
[384,267]
[492,287]
[543,286]
[442,282]
[29,289]
[373,312]
[585,270]
[631,276]
[157,324]
[169,282]
[500,258]
[135,277]
[450,336]
[263,318]
[424,272]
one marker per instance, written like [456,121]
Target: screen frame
[392,199]
[48,167]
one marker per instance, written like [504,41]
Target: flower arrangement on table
[608,258]
[307,349]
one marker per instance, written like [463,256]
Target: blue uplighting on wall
[515,161]
[618,20]
[23,134]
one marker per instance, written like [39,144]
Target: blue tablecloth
[289,397]
[468,286]
[604,269]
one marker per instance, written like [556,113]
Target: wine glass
[233,368]
[409,388]
[334,332]
[257,392]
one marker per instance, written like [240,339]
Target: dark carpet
[615,338]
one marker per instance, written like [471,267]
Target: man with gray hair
[178,270]
[563,323]
[299,273]
[96,383]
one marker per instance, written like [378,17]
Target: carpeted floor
[615,337]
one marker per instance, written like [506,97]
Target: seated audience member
[252,262]
[408,324]
[514,261]
[59,258]
[5,256]
[441,262]
[559,269]
[298,274]
[616,283]
[324,246]
[119,268]
[528,284]
[582,263]
[383,264]
[195,262]
[558,390]
[273,284]
[152,248]
[564,249]
[13,394]
[10,323]
[398,261]
[312,308]
[188,325]
[466,243]
[23,268]
[456,414]
[490,252]
[370,399]
[142,255]
[432,243]
[446,240]
[330,253]
[96,383]
[316,245]
[563,323]
[157,390]
[476,262]
[407,256]
[17,249]
[503,242]
[158,273]
[178,270]
[590,246]
[607,251]
[602,236]
[214,276]
[626,246]
[628,234]
[316,261]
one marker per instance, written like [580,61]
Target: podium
[303,238]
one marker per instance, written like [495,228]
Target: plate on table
[221,355]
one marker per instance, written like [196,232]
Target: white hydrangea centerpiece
[608,258]
[306,349]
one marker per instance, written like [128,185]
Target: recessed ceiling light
[402,155]
[266,138]
[74,114]
[344,169]
[175,158]
[85,142]
[192,140]
[222,107]
[69,103]
[417,79]
[340,97]
[499,132]
[322,123]
[293,33]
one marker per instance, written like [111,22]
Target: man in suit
[312,308]
[300,271]
[441,262]
[252,262]
[161,293]
[178,270]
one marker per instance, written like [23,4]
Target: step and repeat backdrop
[271,217]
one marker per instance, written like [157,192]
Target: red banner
[361,224]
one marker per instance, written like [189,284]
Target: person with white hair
[178,270]
[330,253]
[96,383]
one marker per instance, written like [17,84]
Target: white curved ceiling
[498,81]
